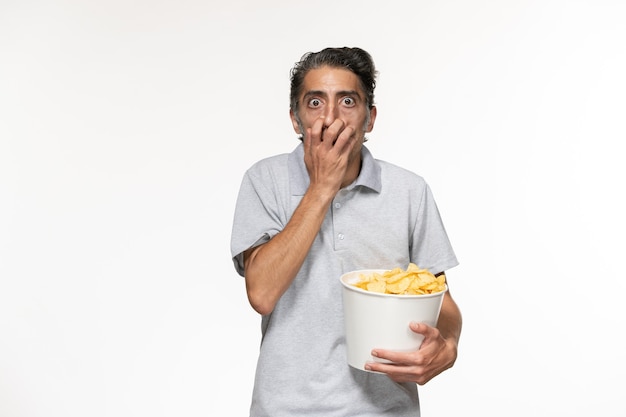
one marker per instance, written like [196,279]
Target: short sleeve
[257,216]
[431,247]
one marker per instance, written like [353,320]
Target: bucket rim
[349,286]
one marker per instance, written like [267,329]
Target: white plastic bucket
[375,320]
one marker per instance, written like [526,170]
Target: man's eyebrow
[314,93]
[324,94]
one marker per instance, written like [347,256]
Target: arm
[450,321]
[270,268]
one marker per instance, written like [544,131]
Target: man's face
[333,93]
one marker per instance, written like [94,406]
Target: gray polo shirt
[385,219]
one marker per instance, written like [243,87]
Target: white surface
[375,320]
[125,128]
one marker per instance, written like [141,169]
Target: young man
[303,219]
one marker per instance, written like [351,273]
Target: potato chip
[412,281]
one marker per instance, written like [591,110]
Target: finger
[393,370]
[316,130]
[332,132]
[421,328]
[401,372]
[397,358]
[306,140]
[431,336]
[378,367]
[346,140]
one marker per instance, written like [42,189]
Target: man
[305,218]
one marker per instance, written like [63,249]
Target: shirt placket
[341,234]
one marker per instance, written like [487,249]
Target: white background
[125,129]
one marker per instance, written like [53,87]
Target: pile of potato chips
[413,281]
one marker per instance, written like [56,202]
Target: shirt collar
[370,175]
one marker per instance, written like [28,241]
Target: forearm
[270,268]
[450,320]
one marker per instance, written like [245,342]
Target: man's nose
[330,115]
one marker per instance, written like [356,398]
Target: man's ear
[370,125]
[294,122]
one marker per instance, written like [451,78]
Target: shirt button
[340,236]
[337,205]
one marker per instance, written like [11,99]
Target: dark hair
[354,59]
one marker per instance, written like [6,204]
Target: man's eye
[348,101]
[315,102]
